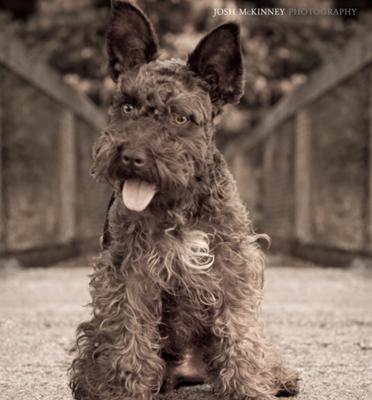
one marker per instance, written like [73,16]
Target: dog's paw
[290,386]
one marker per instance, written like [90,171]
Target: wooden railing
[49,205]
[306,171]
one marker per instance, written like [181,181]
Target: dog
[177,287]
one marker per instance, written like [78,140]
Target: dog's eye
[127,108]
[180,119]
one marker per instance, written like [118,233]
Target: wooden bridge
[305,172]
[49,206]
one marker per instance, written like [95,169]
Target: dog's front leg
[236,358]
[119,348]
[141,365]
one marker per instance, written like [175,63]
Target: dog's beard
[161,188]
[165,184]
[139,195]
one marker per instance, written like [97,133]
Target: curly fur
[187,272]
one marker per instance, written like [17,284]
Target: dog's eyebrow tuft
[126,97]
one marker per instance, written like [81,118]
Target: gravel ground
[320,318]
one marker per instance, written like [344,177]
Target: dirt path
[321,318]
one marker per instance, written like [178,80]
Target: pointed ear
[131,40]
[218,60]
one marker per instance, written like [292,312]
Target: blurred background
[298,143]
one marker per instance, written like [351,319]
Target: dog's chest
[193,251]
[182,261]
[188,272]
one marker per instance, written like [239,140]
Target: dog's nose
[133,158]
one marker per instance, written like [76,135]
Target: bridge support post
[67,216]
[369,205]
[302,177]
[2,200]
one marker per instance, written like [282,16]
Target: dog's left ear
[131,39]
[218,60]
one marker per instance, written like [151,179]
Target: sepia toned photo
[185,199]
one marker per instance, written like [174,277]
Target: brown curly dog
[177,287]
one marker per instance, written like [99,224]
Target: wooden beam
[2,199]
[15,57]
[302,177]
[357,55]
[67,151]
[369,199]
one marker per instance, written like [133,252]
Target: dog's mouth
[137,194]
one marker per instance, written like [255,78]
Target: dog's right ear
[131,40]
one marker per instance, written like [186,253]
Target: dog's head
[157,146]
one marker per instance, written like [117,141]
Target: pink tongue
[137,194]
